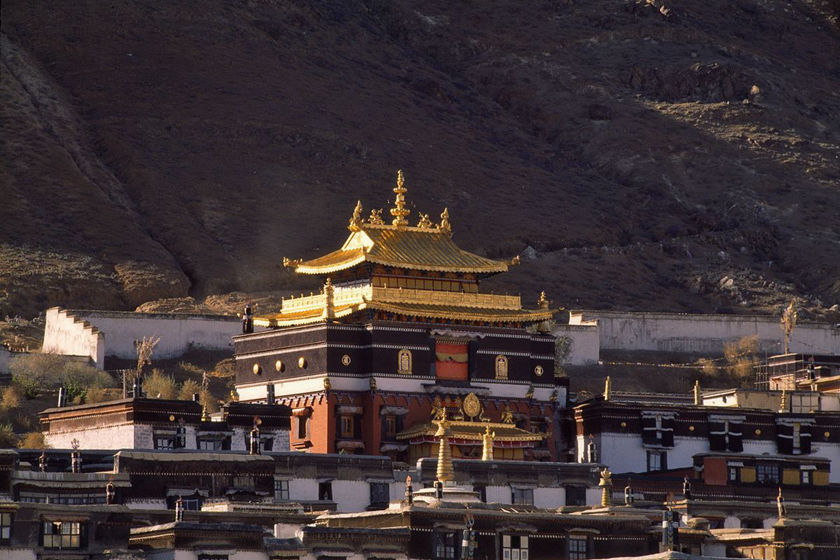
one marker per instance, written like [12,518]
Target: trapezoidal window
[404,362]
[501,367]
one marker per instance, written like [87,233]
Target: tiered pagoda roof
[422,251]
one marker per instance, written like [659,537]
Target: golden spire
[543,301]
[487,444]
[445,472]
[606,488]
[607,388]
[445,226]
[399,211]
[697,400]
[204,417]
[356,220]
[329,300]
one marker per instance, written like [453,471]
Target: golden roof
[429,304]
[426,246]
[466,430]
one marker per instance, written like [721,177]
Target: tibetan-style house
[399,334]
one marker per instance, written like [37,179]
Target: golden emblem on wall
[539,370]
[345,359]
[256,369]
[471,406]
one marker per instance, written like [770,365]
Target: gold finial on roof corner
[697,397]
[356,220]
[204,417]
[543,301]
[399,211]
[287,262]
[607,389]
[445,226]
[606,487]
[424,222]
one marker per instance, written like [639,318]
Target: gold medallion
[472,406]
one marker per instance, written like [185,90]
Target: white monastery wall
[585,344]
[305,489]
[498,494]
[350,495]
[65,333]
[682,332]
[97,334]
[549,497]
[108,437]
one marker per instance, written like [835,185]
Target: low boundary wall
[97,334]
[704,334]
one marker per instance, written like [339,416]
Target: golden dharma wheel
[279,365]
[302,362]
[472,406]
[256,369]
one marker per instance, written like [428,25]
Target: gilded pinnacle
[399,211]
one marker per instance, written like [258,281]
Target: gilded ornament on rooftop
[543,301]
[444,225]
[376,217]
[507,415]
[356,219]
[399,211]
[472,406]
[424,222]
[287,262]
[438,410]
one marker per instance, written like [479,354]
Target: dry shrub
[158,385]
[225,368]
[96,395]
[8,438]
[12,397]
[188,389]
[33,440]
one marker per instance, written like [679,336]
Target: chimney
[269,393]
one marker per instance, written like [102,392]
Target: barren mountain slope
[637,154]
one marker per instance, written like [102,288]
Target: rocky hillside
[670,155]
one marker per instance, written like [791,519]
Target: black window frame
[281,489]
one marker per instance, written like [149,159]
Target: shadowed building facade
[399,333]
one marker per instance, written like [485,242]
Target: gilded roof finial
[445,226]
[607,388]
[487,444]
[697,400]
[204,416]
[606,487]
[376,217]
[445,472]
[399,211]
[356,219]
[543,301]
[424,222]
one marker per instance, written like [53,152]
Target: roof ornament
[399,211]
[780,505]
[606,487]
[607,388]
[356,220]
[425,222]
[487,444]
[445,226]
[376,217]
[329,300]
[543,301]
[697,400]
[445,471]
